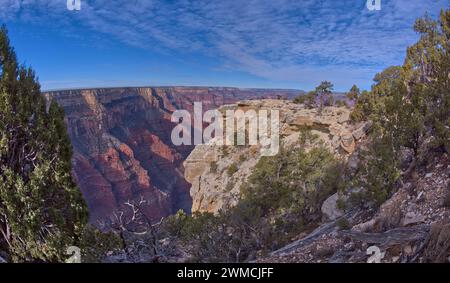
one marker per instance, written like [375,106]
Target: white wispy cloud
[280,40]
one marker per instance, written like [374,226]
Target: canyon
[122,151]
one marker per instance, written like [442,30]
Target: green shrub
[341,204]
[229,186]
[173,225]
[282,198]
[343,224]
[97,244]
[300,99]
[307,99]
[290,188]
[378,172]
[233,168]
[340,103]
[306,137]
[242,158]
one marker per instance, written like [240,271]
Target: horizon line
[170,86]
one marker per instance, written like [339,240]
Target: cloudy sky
[251,43]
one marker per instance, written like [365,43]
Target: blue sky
[252,43]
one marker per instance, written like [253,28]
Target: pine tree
[41,209]
[410,106]
[324,94]
[354,93]
[427,75]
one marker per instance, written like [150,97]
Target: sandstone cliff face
[122,146]
[206,168]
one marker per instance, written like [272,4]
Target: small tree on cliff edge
[324,94]
[353,94]
[320,97]
[41,209]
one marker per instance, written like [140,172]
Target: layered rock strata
[206,168]
[122,146]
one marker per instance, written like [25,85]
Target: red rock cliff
[122,146]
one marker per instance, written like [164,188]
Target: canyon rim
[122,143]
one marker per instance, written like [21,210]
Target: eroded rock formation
[122,146]
[206,168]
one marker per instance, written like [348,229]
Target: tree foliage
[354,93]
[41,209]
[411,102]
[282,197]
[320,97]
[324,94]
[409,106]
[307,99]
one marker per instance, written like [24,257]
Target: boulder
[325,120]
[199,160]
[336,129]
[412,218]
[345,117]
[353,163]
[336,141]
[329,208]
[365,226]
[301,121]
[358,133]
[362,130]
[348,143]
[406,157]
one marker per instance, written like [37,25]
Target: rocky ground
[412,226]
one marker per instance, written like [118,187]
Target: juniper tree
[410,106]
[324,94]
[427,76]
[41,209]
[411,102]
[353,94]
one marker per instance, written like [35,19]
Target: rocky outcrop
[122,146]
[330,209]
[206,168]
[412,226]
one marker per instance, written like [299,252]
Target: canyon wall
[215,187]
[122,146]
